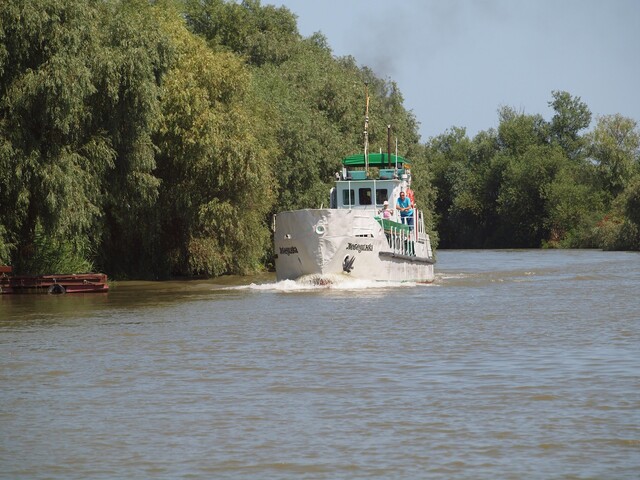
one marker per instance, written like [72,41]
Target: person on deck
[405,207]
[385,212]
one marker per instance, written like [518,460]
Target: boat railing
[422,236]
[402,238]
[418,220]
[401,241]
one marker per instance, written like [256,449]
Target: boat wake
[324,282]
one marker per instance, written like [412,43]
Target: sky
[457,62]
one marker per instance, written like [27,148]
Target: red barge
[55,284]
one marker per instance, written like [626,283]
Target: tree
[472,213]
[614,147]
[214,162]
[573,206]
[521,203]
[52,160]
[571,116]
[448,155]
[138,55]
[264,34]
[517,185]
[631,200]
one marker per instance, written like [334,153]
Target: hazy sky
[457,61]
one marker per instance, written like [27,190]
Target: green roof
[375,160]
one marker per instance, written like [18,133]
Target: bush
[48,255]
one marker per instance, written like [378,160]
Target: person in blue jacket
[405,207]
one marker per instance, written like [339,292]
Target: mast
[388,146]
[396,154]
[366,128]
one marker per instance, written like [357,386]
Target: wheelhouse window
[364,196]
[348,197]
[382,194]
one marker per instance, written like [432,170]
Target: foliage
[51,255]
[213,162]
[574,207]
[571,116]
[262,34]
[521,203]
[137,56]
[631,201]
[52,162]
[614,148]
[157,138]
[150,139]
[533,183]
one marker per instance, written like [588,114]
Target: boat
[54,284]
[351,239]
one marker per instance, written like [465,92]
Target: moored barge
[54,284]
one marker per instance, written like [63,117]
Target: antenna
[366,128]
[396,154]
[388,146]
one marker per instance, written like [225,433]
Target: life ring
[57,289]
[410,195]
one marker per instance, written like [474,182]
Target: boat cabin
[366,183]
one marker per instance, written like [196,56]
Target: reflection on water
[513,364]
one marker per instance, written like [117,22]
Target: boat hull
[348,243]
[56,284]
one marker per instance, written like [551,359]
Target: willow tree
[310,96]
[317,100]
[135,57]
[614,147]
[261,34]
[215,161]
[52,159]
[571,116]
[630,203]
[448,157]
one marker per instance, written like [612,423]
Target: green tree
[524,184]
[448,155]
[472,213]
[573,207]
[136,56]
[521,203]
[214,162]
[263,34]
[571,116]
[306,115]
[52,160]
[614,147]
[631,200]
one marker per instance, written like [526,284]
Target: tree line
[535,183]
[157,139]
[151,139]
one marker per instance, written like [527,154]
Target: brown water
[514,364]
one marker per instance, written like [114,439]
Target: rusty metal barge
[54,284]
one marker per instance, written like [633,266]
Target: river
[513,364]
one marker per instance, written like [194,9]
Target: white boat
[351,238]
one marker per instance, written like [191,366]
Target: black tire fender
[57,289]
